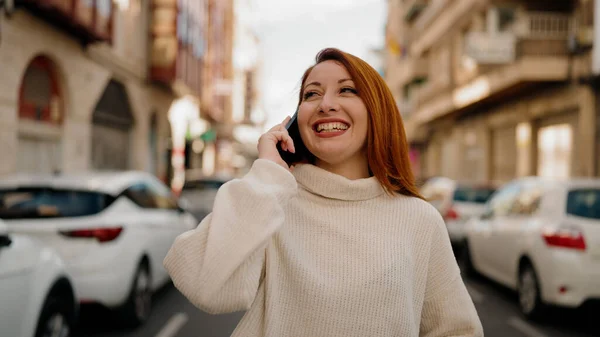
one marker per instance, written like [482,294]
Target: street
[174,316]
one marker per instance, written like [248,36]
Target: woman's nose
[329,103]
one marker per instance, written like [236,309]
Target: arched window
[39,95]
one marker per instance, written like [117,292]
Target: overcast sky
[293,31]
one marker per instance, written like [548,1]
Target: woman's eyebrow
[319,84]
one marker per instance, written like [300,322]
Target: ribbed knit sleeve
[218,265]
[448,309]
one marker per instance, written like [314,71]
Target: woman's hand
[267,144]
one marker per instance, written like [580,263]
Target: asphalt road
[174,316]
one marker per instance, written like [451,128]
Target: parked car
[541,238]
[36,293]
[457,202]
[112,229]
[200,194]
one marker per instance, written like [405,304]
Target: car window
[502,202]
[203,184]
[43,202]
[141,194]
[151,195]
[163,196]
[529,199]
[584,203]
[478,195]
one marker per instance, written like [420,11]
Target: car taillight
[104,234]
[564,237]
[451,214]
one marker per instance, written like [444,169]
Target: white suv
[36,293]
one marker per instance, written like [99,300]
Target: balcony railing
[532,50]
[540,25]
[177,46]
[89,20]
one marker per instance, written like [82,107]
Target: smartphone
[301,150]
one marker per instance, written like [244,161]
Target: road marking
[525,327]
[174,324]
[476,295]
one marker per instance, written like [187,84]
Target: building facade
[231,101]
[74,94]
[491,90]
[106,84]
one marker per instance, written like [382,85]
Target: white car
[36,294]
[112,229]
[201,194]
[457,203]
[542,238]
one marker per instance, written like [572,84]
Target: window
[42,202]
[555,147]
[584,203]
[163,196]
[152,195]
[502,203]
[141,195]
[474,195]
[528,201]
[506,18]
[39,97]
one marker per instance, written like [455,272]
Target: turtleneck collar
[330,185]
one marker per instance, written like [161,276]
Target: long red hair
[387,147]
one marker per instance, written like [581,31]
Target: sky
[291,33]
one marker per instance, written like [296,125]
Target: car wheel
[528,290]
[55,319]
[139,303]
[465,263]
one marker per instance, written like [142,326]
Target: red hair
[387,147]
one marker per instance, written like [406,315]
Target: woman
[339,245]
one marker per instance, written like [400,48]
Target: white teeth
[331,126]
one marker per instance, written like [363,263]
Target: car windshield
[39,202]
[478,195]
[584,203]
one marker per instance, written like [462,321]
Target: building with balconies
[76,89]
[111,84]
[491,90]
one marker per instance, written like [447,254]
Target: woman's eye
[350,90]
[309,94]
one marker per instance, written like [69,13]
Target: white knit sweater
[315,254]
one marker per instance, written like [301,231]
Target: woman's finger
[290,144]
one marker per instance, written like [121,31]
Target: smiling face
[332,118]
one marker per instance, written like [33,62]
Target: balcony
[88,20]
[533,51]
[177,47]
[439,17]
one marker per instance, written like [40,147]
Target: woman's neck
[355,168]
